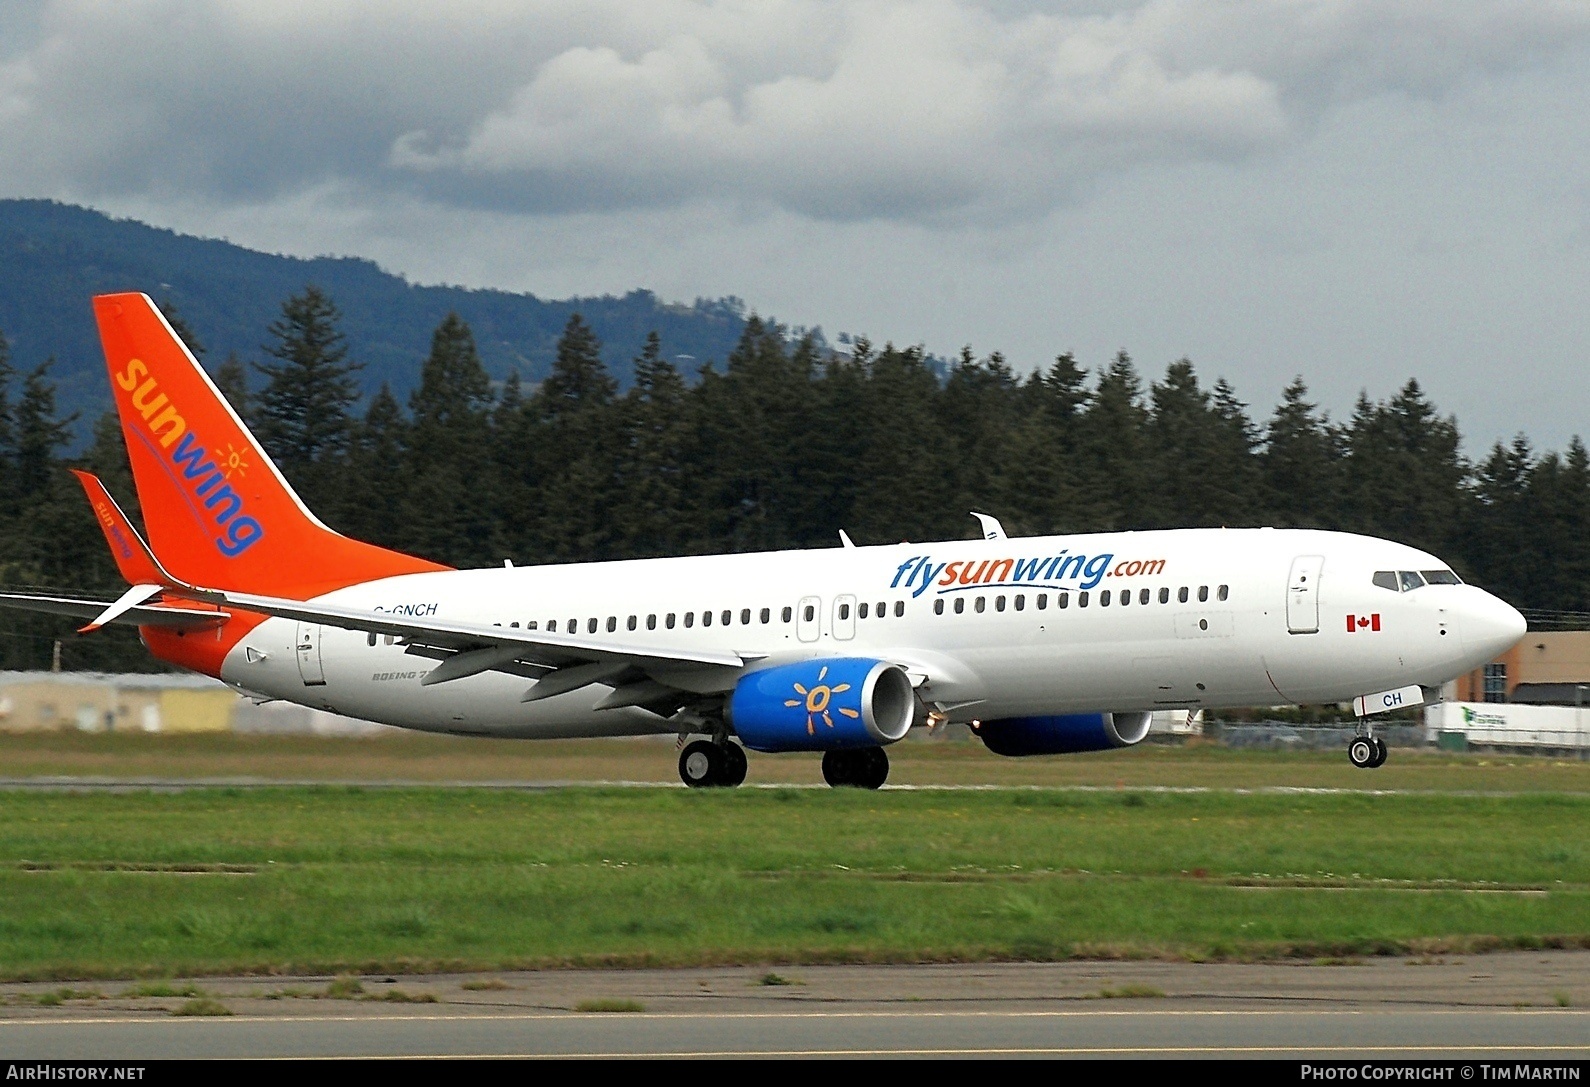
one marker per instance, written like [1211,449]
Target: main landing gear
[1366,751]
[857,767]
[704,764]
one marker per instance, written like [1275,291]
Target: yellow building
[101,702]
[1547,668]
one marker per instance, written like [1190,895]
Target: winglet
[133,557]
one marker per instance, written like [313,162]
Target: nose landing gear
[1366,751]
[704,764]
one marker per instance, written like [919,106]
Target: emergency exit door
[1302,594]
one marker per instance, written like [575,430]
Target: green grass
[347,880]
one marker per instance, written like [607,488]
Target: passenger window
[1410,580]
[1203,593]
[786,614]
[531,625]
[960,604]
[999,603]
[938,606]
[1441,577]
[371,640]
[590,626]
[981,604]
[1061,600]
[811,612]
[745,617]
[1181,595]
[1082,599]
[1225,591]
[690,619]
[899,608]
[552,626]
[631,624]
[706,618]
[573,626]
[1126,597]
[651,622]
[389,639]
[1104,599]
[1142,597]
[727,617]
[1043,601]
[514,624]
[1021,602]
[668,621]
[861,610]
[612,623]
[1164,596]
[844,611]
[767,615]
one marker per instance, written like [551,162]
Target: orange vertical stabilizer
[218,512]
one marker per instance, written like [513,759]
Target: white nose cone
[1491,626]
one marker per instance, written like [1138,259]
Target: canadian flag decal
[1363,622]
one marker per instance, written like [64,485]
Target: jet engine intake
[1064,734]
[822,705]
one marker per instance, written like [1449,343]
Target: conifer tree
[1300,463]
[448,501]
[304,409]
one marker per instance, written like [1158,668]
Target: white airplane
[1043,645]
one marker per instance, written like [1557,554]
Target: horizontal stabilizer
[128,600]
[143,615]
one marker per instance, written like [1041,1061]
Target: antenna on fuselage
[845,540]
[992,529]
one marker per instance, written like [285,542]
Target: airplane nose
[1491,626]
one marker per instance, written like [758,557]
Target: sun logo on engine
[817,700]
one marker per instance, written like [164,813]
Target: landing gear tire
[1380,753]
[856,768]
[1363,751]
[734,764]
[702,764]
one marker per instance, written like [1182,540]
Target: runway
[1473,1008]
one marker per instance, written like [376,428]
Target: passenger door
[1302,595]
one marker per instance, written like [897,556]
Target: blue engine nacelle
[820,705]
[1063,735]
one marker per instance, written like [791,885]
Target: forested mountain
[54,257]
[784,445]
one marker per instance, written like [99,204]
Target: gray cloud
[930,112]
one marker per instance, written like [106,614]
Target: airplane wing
[152,615]
[650,677]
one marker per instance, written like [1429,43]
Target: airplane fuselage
[1192,618]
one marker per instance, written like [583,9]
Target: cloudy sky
[1357,191]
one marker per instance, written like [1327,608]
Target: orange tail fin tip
[218,512]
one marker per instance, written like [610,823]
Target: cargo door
[1302,595]
[309,669]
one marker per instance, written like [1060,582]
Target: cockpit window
[1410,580]
[1387,579]
[1441,577]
